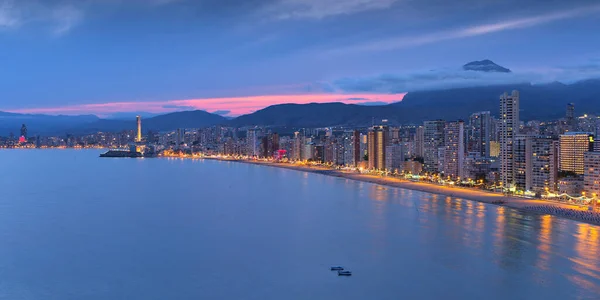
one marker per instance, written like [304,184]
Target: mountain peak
[485,65]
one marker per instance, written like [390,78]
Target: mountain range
[539,102]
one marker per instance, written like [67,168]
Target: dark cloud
[400,83]
[447,78]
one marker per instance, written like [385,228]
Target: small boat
[344,273]
[337,269]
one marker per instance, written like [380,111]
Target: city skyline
[552,159]
[106,56]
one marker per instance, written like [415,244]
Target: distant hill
[316,115]
[60,125]
[170,121]
[540,102]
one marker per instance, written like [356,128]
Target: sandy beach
[464,193]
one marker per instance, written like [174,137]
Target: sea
[76,226]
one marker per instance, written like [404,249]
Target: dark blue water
[74,226]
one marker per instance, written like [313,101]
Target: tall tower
[356,153]
[138,137]
[23,137]
[420,141]
[377,142]
[433,139]
[454,153]
[479,133]
[509,128]
[251,142]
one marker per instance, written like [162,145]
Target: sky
[234,57]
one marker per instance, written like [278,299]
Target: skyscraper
[251,142]
[573,145]
[454,153]
[541,149]
[419,141]
[394,157]
[553,165]
[532,162]
[591,178]
[433,140]
[138,137]
[508,129]
[179,138]
[479,133]
[377,142]
[319,153]
[274,142]
[356,148]
[24,131]
[298,146]
[522,161]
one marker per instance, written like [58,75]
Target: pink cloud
[236,105]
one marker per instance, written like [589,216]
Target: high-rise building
[340,152]
[433,140]
[330,150]
[24,131]
[454,153]
[479,133]
[441,161]
[251,142]
[591,177]
[419,141]
[522,161]
[138,137]
[179,137]
[269,144]
[377,141]
[532,162]
[554,164]
[508,129]
[394,135]
[573,145]
[394,158]
[356,153]
[298,146]
[541,177]
[319,154]
[274,142]
[494,130]
[309,151]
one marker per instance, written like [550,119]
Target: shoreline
[522,204]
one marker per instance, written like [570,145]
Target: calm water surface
[74,226]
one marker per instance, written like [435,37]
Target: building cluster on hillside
[557,158]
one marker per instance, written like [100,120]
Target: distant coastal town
[555,160]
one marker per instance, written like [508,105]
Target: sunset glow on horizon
[229,106]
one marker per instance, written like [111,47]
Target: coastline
[458,192]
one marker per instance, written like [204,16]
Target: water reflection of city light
[545,240]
